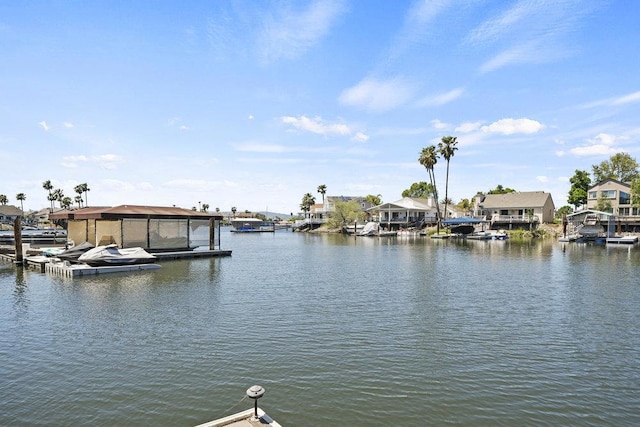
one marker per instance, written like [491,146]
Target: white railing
[515,218]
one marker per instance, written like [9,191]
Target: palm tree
[322,189]
[85,189]
[58,195]
[3,199]
[428,158]
[205,207]
[233,211]
[447,148]
[22,197]
[307,201]
[65,202]
[79,189]
[47,186]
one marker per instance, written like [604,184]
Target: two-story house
[515,209]
[611,196]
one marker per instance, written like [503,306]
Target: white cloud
[288,33]
[601,145]
[316,125]
[438,124]
[377,95]
[513,126]
[80,158]
[620,100]
[184,128]
[44,125]
[542,178]
[360,137]
[441,99]
[468,127]
[68,125]
[250,117]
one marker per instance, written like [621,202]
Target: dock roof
[133,211]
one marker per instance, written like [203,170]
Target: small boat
[112,255]
[251,225]
[591,227]
[248,418]
[72,254]
[373,229]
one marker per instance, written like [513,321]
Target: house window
[593,194]
[608,194]
[623,211]
[625,198]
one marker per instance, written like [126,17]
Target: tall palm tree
[47,186]
[447,148]
[58,195]
[3,199]
[322,189]
[22,197]
[234,210]
[79,189]
[86,189]
[428,158]
[307,201]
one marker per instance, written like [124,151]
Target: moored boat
[112,255]
[251,225]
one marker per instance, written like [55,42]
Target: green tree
[205,207]
[3,199]
[47,186]
[65,203]
[420,190]
[58,195]
[373,200]
[580,183]
[447,148]
[79,189]
[428,158]
[620,166]
[307,201]
[322,189]
[233,211]
[635,192]
[21,197]
[565,210]
[501,190]
[465,205]
[345,213]
[85,189]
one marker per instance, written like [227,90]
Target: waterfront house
[406,212]
[9,213]
[514,210]
[153,228]
[612,196]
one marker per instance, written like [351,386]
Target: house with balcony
[405,213]
[614,197]
[515,210]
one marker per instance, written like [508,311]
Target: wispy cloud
[255,147]
[441,99]
[615,101]
[105,161]
[287,33]
[316,125]
[43,125]
[530,32]
[377,95]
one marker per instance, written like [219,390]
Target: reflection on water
[339,330]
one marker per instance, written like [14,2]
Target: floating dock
[623,240]
[76,270]
[244,419]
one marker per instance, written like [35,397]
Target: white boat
[112,255]
[251,225]
[373,229]
[249,418]
[591,227]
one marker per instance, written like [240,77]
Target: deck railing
[520,219]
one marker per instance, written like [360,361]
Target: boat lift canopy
[461,220]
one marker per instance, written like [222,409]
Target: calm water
[339,331]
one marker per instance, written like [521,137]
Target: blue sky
[253,104]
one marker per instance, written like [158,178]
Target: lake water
[340,331]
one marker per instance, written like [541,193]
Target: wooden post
[17,237]
[212,234]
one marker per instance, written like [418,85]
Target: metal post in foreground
[255,392]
